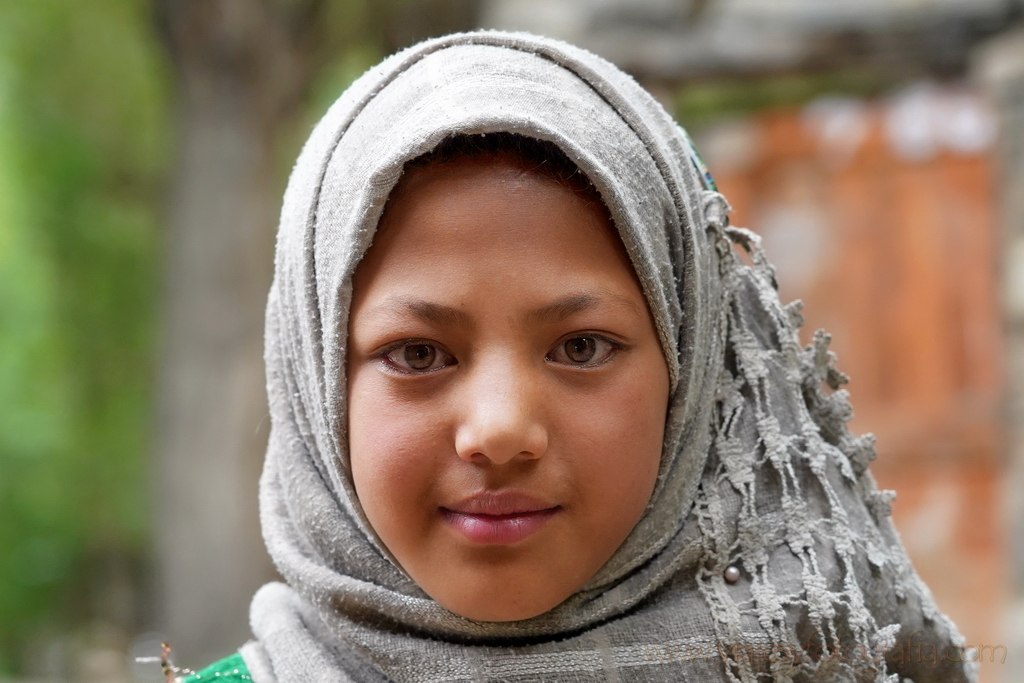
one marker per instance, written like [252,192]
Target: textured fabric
[758,471]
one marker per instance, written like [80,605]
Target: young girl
[538,413]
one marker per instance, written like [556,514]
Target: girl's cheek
[392,439]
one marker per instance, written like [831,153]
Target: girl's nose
[502,417]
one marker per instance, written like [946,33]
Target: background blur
[878,145]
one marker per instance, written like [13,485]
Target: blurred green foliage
[84,128]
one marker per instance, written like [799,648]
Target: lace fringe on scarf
[781,417]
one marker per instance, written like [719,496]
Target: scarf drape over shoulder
[759,477]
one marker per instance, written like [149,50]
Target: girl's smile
[507,389]
[499,517]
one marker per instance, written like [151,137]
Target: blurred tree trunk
[241,66]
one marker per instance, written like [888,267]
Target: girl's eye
[584,351]
[416,357]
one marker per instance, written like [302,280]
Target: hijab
[766,551]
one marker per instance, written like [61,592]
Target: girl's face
[507,391]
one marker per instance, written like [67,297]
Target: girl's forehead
[462,199]
[491,226]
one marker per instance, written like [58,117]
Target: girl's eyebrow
[572,304]
[428,311]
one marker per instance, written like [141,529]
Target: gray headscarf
[759,477]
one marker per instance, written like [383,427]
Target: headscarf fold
[759,477]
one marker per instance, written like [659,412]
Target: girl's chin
[489,614]
[487,609]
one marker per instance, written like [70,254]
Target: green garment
[228,670]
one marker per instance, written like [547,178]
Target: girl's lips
[498,529]
[499,518]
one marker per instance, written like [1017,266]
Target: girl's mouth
[499,518]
